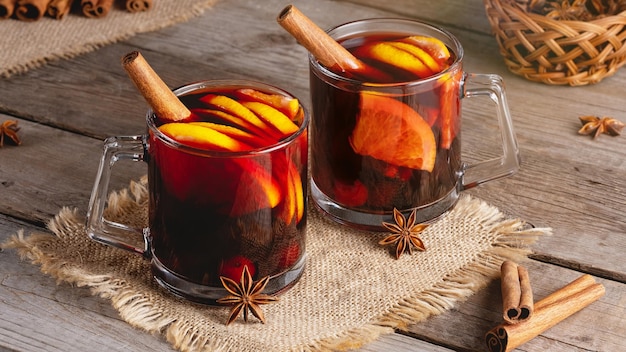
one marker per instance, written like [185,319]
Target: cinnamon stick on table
[96,8]
[30,10]
[59,8]
[517,294]
[138,5]
[161,99]
[548,312]
[6,8]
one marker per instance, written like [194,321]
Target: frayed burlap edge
[72,52]
[513,241]
[514,238]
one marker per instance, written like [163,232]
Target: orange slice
[419,53]
[296,181]
[234,132]
[389,130]
[272,117]
[221,117]
[449,109]
[433,46]
[289,106]
[257,189]
[202,137]
[391,54]
[292,207]
[233,107]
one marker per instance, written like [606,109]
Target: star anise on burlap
[595,126]
[9,129]
[405,233]
[246,295]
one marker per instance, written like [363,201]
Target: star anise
[404,233]
[595,126]
[9,129]
[246,295]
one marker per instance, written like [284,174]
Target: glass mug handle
[98,228]
[491,86]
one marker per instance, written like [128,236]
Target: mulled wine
[391,142]
[228,188]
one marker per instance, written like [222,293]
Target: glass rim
[458,50]
[240,83]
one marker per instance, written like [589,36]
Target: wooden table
[571,183]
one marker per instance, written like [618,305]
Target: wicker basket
[557,52]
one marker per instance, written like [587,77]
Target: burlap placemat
[26,45]
[353,290]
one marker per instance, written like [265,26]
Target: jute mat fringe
[353,290]
[27,45]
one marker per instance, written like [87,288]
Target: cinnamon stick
[96,8]
[322,46]
[161,99]
[548,312]
[526,303]
[30,10]
[6,8]
[138,5]
[59,8]
[517,294]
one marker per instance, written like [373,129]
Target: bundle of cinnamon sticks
[33,10]
[524,319]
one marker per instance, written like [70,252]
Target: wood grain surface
[574,184]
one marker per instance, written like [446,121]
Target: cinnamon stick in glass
[159,96]
[30,10]
[59,8]
[517,294]
[548,312]
[138,5]
[323,47]
[96,8]
[6,8]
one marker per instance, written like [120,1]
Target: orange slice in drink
[433,46]
[396,55]
[289,106]
[389,130]
[449,109]
[224,118]
[234,132]
[256,189]
[419,53]
[292,207]
[202,137]
[233,107]
[272,117]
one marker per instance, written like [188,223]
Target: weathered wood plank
[36,314]
[53,169]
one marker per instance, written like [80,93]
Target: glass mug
[212,212]
[365,161]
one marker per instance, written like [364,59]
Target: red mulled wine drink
[227,189]
[389,136]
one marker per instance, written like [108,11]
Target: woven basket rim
[583,59]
